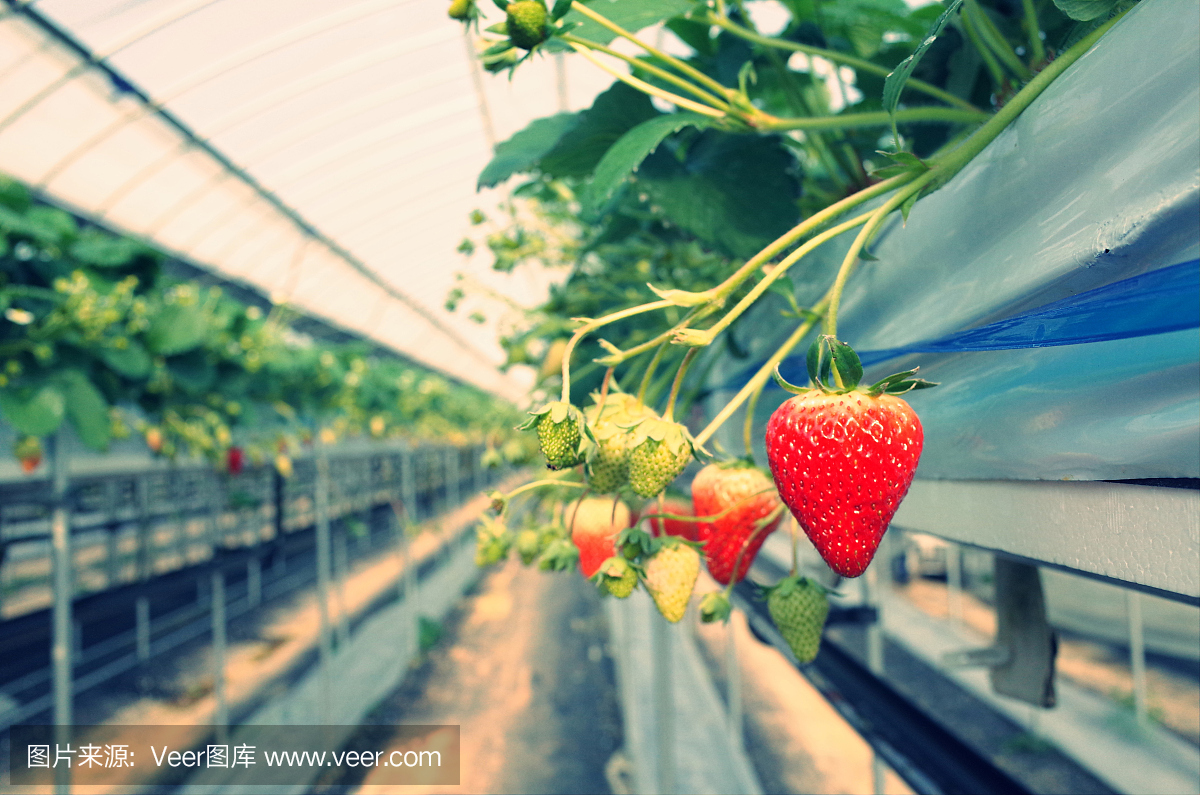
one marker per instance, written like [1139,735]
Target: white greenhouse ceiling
[325,153]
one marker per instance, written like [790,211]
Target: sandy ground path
[524,670]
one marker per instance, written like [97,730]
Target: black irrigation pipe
[929,758]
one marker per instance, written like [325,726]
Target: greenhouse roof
[325,154]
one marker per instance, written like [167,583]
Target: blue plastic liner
[1158,302]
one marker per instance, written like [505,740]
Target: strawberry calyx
[559,555]
[715,606]
[835,369]
[793,582]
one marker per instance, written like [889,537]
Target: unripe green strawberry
[559,555]
[671,574]
[659,451]
[608,458]
[560,433]
[492,542]
[608,430]
[798,606]
[526,20]
[528,545]
[461,10]
[617,577]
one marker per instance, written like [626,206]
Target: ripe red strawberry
[673,527]
[744,497]
[670,575]
[799,607]
[843,457]
[595,524]
[28,449]
[235,460]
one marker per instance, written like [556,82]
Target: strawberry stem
[763,373]
[649,374]
[748,427]
[668,415]
[592,325]
[759,526]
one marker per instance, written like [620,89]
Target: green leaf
[131,361]
[738,192]
[176,329]
[694,34]
[36,411]
[193,372]
[627,154]
[907,159]
[561,7]
[632,15]
[894,84]
[1085,10]
[102,250]
[49,225]
[907,206]
[817,360]
[524,149]
[845,361]
[615,112]
[87,409]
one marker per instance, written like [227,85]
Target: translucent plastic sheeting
[1098,181]
[331,160]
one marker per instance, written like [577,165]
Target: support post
[221,716]
[1137,653]
[63,625]
[870,591]
[734,677]
[341,623]
[142,608]
[954,585]
[254,581]
[321,500]
[408,485]
[664,701]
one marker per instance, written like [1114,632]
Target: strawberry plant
[694,193]
[96,332]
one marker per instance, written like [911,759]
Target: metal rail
[929,758]
[165,552]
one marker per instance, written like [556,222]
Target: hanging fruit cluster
[715,176]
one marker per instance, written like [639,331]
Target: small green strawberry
[617,577]
[608,430]
[715,606]
[526,21]
[798,606]
[462,10]
[560,432]
[528,545]
[659,451]
[670,575]
[492,542]
[559,555]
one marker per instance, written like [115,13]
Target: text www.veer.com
[352,759]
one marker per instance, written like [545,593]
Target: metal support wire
[485,113]
[211,71]
[270,100]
